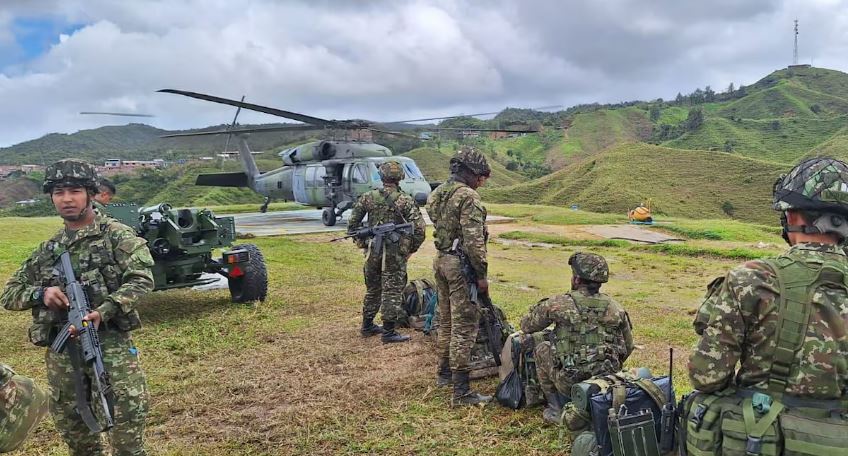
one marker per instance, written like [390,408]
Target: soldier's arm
[356,215]
[541,315]
[413,216]
[713,363]
[134,261]
[17,294]
[473,224]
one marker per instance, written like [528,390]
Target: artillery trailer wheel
[328,216]
[253,284]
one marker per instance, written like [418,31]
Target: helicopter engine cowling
[323,150]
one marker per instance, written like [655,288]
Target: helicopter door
[299,185]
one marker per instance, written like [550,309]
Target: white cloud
[387,60]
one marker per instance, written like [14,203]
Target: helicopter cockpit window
[412,171]
[375,173]
[359,175]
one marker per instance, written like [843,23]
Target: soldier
[22,406]
[385,273]
[774,329]
[460,223]
[591,335]
[114,267]
[106,190]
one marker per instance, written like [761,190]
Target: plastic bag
[510,392]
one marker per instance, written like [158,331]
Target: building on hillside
[800,66]
[129,165]
[28,202]
[30,168]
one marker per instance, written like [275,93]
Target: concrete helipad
[301,222]
[635,233]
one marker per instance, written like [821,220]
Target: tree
[709,94]
[775,125]
[655,113]
[696,97]
[815,108]
[728,146]
[695,119]
[741,91]
[730,89]
[679,98]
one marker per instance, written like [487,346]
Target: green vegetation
[435,164]
[553,215]
[684,183]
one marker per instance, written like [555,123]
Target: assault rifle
[85,353]
[491,326]
[378,233]
[668,422]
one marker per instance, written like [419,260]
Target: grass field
[293,376]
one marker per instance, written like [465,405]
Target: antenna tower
[795,52]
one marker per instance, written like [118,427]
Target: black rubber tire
[328,216]
[253,285]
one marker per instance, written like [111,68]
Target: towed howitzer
[85,353]
[492,327]
[378,233]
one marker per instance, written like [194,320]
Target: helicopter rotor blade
[255,107]
[233,125]
[124,114]
[394,133]
[505,130]
[237,131]
[466,115]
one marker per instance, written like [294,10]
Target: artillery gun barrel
[161,208]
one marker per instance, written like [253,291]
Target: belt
[448,252]
[798,401]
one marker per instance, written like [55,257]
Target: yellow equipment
[641,214]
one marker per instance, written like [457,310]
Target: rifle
[668,421]
[86,352]
[492,327]
[378,232]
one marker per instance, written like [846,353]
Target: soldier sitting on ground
[22,406]
[591,335]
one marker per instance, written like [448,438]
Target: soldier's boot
[370,329]
[390,336]
[443,375]
[462,393]
[553,411]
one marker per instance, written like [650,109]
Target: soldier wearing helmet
[774,330]
[591,333]
[22,406]
[113,264]
[385,271]
[459,220]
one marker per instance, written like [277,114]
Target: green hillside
[836,147]
[778,140]
[595,131]
[686,183]
[435,165]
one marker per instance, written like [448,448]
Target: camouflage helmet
[589,266]
[815,185]
[70,172]
[22,406]
[391,171]
[471,159]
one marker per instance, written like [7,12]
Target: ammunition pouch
[732,423]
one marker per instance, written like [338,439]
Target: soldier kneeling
[591,335]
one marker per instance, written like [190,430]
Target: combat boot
[370,329]
[462,394]
[390,336]
[443,375]
[553,411]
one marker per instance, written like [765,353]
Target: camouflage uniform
[113,264]
[385,274]
[459,220]
[741,346]
[591,335]
[22,406]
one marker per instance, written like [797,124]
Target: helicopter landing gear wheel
[328,216]
[264,208]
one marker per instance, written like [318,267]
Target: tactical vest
[97,270]
[445,231]
[769,422]
[586,344]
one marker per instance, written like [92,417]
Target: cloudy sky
[384,60]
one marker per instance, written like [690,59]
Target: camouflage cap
[70,172]
[589,266]
[391,171]
[817,184]
[473,160]
[22,406]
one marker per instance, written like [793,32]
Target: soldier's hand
[55,299]
[93,317]
[483,285]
